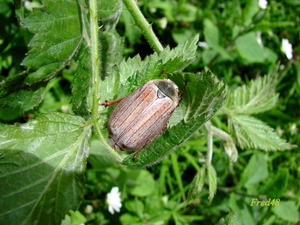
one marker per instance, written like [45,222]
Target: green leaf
[52,47]
[42,163]
[170,59]
[203,92]
[256,97]
[110,49]
[98,157]
[140,182]
[172,138]
[27,97]
[74,219]
[287,210]
[249,48]
[229,219]
[241,210]
[256,170]
[250,132]
[56,41]
[249,11]
[196,185]
[211,34]
[212,181]
[277,186]
[60,36]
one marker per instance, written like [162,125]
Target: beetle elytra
[142,115]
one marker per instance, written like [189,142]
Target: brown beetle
[142,115]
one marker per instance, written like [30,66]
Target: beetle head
[167,88]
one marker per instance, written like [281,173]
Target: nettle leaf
[110,49]
[250,132]
[134,72]
[256,97]
[201,92]
[57,38]
[173,137]
[197,185]
[60,35]
[56,41]
[41,164]
[171,60]
[212,181]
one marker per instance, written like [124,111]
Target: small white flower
[88,209]
[30,5]
[165,199]
[163,22]
[203,44]
[287,48]
[293,129]
[114,200]
[263,4]
[258,38]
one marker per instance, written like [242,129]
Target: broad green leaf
[98,157]
[56,41]
[23,99]
[42,163]
[249,48]
[74,219]
[256,97]
[249,11]
[140,182]
[171,59]
[212,181]
[203,92]
[172,138]
[256,170]
[250,132]
[197,185]
[134,206]
[60,35]
[287,210]
[211,34]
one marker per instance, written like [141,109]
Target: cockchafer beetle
[142,115]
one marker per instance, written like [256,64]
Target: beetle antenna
[108,103]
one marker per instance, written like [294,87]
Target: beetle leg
[181,92]
[136,154]
[108,103]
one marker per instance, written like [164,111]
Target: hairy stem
[95,75]
[142,23]
[209,143]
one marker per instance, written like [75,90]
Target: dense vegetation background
[241,43]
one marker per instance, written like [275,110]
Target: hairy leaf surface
[41,164]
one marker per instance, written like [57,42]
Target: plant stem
[94,57]
[228,142]
[209,143]
[142,23]
[95,75]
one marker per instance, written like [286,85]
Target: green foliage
[42,165]
[51,125]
